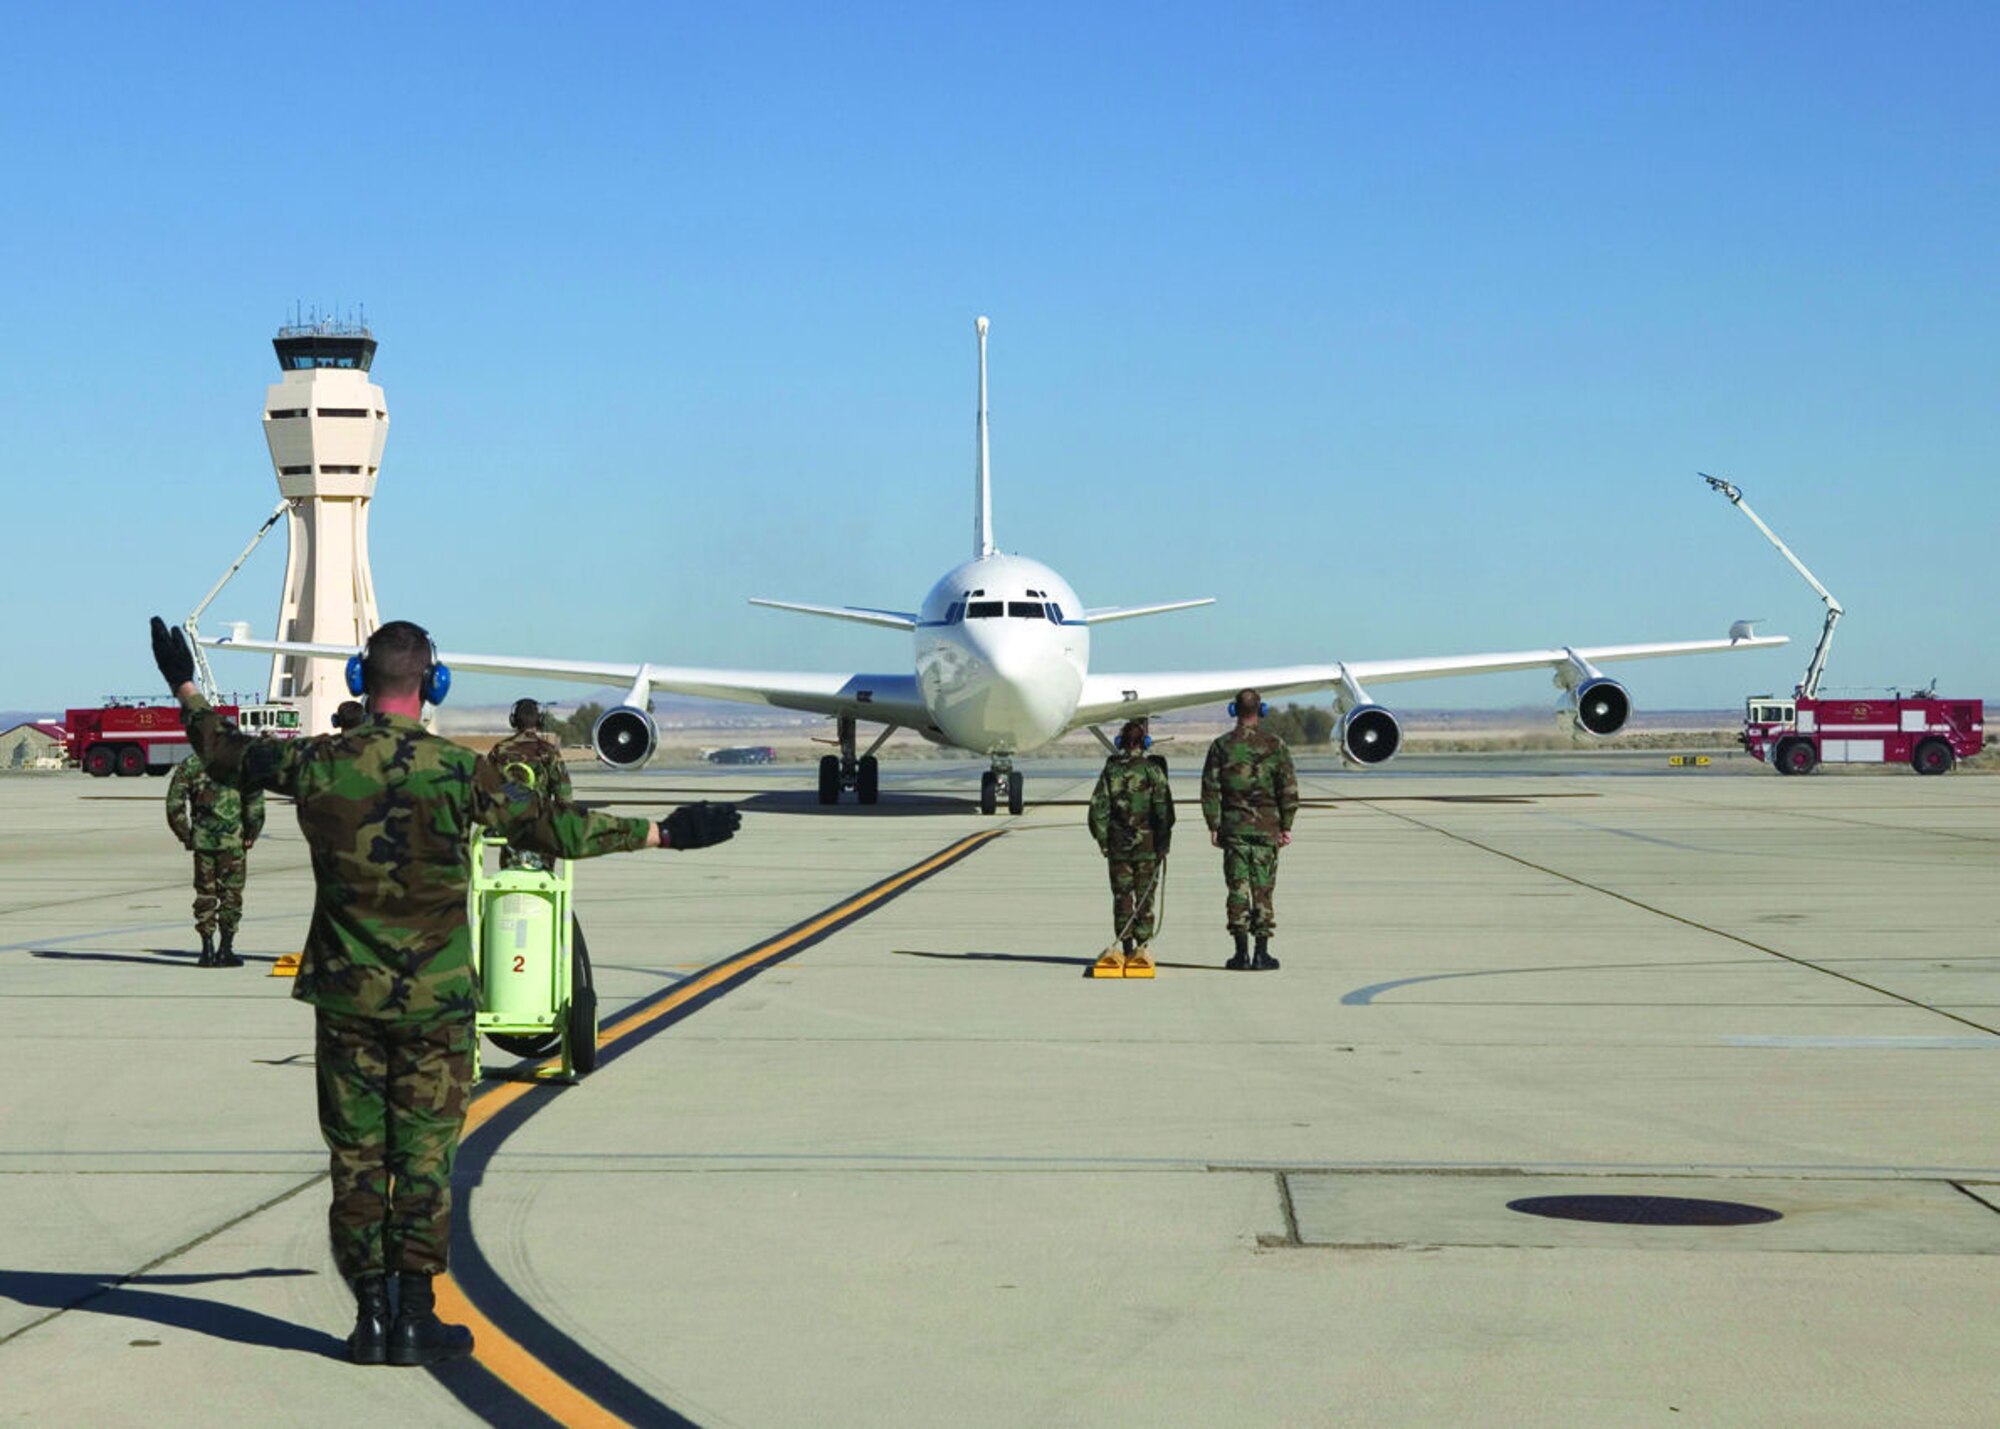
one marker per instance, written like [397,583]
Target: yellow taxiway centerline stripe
[520,1371]
[497,1351]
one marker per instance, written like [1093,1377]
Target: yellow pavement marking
[527,1376]
[495,1349]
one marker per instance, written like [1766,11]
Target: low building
[35,745]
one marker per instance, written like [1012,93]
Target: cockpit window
[1025,610]
[1055,612]
[983,610]
[954,612]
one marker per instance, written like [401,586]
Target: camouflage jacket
[1249,793]
[1131,810]
[387,810]
[539,757]
[207,814]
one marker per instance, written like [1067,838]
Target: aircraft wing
[1109,697]
[881,699]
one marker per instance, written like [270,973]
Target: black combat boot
[207,951]
[369,1344]
[225,956]
[1242,959]
[419,1336]
[1262,961]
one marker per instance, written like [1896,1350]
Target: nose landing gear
[990,785]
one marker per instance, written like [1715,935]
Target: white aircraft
[1002,667]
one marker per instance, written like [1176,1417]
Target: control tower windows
[305,351]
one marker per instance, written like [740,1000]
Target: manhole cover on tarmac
[1645,1210]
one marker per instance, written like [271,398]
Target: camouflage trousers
[392,1100]
[218,888]
[1251,871]
[1134,892]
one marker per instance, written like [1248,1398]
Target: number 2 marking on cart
[520,963]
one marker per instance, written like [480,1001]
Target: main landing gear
[990,784]
[844,771]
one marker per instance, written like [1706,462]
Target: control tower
[325,423]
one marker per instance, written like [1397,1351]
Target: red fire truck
[1926,733]
[1798,735]
[134,735]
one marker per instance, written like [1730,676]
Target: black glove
[699,825]
[1161,843]
[171,654]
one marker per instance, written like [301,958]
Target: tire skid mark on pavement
[524,1369]
[1367,994]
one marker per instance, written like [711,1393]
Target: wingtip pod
[979,325]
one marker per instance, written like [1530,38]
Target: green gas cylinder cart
[528,952]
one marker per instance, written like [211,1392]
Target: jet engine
[1600,707]
[623,737]
[1369,734]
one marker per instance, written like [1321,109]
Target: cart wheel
[533,1045]
[582,1026]
[1933,756]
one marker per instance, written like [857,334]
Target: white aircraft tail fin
[1100,615]
[860,614]
[982,516]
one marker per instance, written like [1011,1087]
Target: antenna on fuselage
[982,518]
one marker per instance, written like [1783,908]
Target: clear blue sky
[1403,329]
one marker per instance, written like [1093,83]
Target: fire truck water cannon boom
[1815,667]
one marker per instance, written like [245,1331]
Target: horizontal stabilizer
[860,614]
[1104,614]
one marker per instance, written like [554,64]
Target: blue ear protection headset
[1263,709]
[436,682]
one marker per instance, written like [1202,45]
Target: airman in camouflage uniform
[217,823]
[1249,797]
[1132,819]
[530,757]
[387,810]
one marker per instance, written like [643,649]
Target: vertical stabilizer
[982,518]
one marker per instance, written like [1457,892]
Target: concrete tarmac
[913,1167]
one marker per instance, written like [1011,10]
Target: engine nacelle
[1601,707]
[624,737]
[1369,734]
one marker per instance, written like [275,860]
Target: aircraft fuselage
[1001,651]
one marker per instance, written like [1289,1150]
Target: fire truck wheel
[131,760]
[1933,756]
[99,761]
[1797,756]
